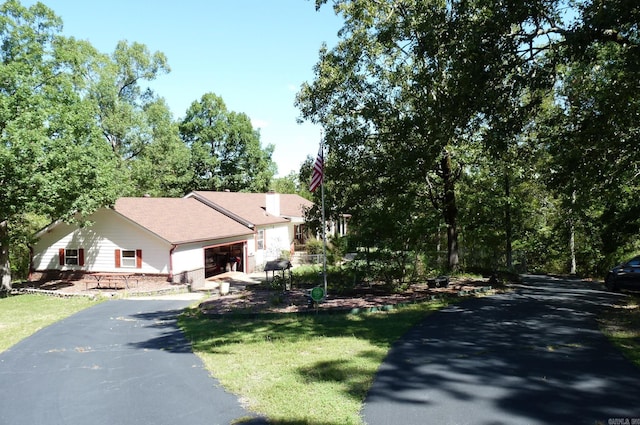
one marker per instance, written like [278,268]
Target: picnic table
[111,277]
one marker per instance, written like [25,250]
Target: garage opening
[223,258]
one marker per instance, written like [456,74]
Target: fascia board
[221,210]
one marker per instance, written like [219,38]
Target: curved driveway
[120,362]
[533,356]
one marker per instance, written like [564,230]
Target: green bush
[338,248]
[307,276]
[314,246]
[340,279]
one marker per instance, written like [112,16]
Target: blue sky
[254,54]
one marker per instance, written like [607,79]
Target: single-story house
[185,239]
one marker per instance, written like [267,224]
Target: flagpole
[317,179]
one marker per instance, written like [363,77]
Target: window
[71,256]
[128,258]
[634,262]
[260,239]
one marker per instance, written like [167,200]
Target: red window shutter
[61,256]
[81,257]
[117,258]
[138,258]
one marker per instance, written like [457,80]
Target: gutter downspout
[173,248]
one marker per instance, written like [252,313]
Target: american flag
[318,171]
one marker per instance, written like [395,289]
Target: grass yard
[621,324]
[23,315]
[300,369]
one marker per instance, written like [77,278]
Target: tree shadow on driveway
[166,335]
[531,356]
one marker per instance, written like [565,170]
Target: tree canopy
[52,158]
[461,107]
[225,149]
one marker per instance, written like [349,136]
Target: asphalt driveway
[534,356]
[120,362]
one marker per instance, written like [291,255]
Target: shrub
[307,276]
[314,246]
[285,254]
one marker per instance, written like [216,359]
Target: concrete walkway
[534,356]
[120,362]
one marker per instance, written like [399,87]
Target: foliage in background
[53,160]
[516,123]
[225,149]
[286,184]
[21,235]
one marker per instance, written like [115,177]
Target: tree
[226,153]
[422,80]
[286,184]
[162,168]
[120,98]
[590,131]
[52,158]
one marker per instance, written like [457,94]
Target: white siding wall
[277,239]
[188,257]
[109,232]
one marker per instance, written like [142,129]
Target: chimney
[273,203]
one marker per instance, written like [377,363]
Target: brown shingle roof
[180,220]
[252,206]
[293,205]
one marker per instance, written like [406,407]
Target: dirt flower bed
[247,293]
[254,299]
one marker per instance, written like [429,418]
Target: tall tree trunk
[450,210]
[440,257]
[507,219]
[572,236]
[572,249]
[5,266]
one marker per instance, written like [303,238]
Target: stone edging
[59,294]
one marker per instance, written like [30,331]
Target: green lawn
[300,369]
[621,324]
[23,315]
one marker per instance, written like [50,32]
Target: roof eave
[221,210]
[188,241]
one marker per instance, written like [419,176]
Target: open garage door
[223,258]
